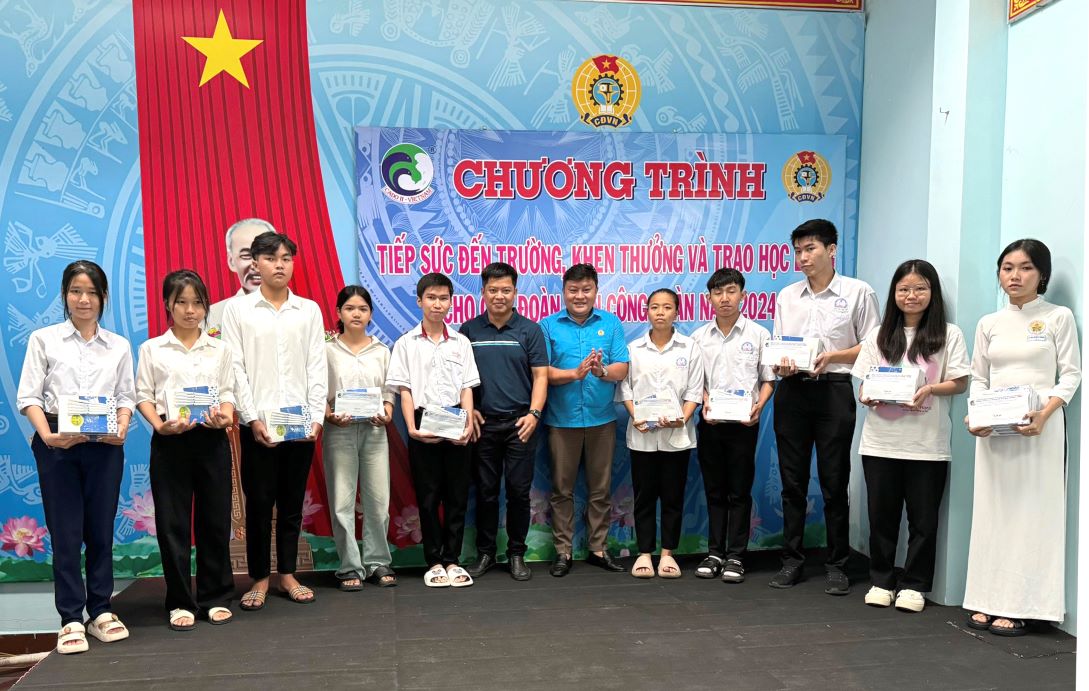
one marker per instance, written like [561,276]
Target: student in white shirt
[357,450]
[278,343]
[190,455]
[1017,553]
[80,478]
[905,447]
[731,345]
[664,363]
[817,408]
[433,366]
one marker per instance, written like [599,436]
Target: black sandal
[347,587]
[382,576]
[1018,628]
[979,625]
[710,567]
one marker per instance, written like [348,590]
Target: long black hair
[347,293]
[929,335]
[98,279]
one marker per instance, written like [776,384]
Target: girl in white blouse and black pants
[80,479]
[661,360]
[190,458]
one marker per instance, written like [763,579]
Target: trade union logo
[407,171]
[606,91]
[1036,327]
[807,177]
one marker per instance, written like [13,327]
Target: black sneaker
[788,577]
[838,583]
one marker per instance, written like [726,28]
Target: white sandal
[454,572]
[72,632]
[105,628]
[219,610]
[431,578]
[178,614]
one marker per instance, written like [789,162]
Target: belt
[505,417]
[830,376]
[51,418]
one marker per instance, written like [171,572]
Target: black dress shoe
[604,561]
[519,571]
[483,564]
[562,566]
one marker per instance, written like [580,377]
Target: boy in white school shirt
[279,356]
[731,345]
[817,408]
[433,366]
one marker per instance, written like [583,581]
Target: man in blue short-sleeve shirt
[587,356]
[512,361]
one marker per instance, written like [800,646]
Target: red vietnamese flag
[226,133]
[217,152]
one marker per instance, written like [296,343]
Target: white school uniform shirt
[279,354]
[435,373]
[59,363]
[889,431]
[367,368]
[841,315]
[165,364]
[679,368]
[732,361]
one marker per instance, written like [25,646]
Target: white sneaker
[910,601]
[879,597]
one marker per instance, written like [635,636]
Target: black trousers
[892,483]
[273,477]
[658,475]
[727,454]
[817,414]
[191,485]
[440,476]
[79,488]
[499,454]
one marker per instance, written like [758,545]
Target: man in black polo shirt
[513,363]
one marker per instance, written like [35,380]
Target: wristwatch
[535,413]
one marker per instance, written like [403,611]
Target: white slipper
[453,572]
[107,628]
[431,578]
[178,614]
[76,633]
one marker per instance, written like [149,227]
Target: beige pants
[569,446]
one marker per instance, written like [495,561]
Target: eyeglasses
[918,290]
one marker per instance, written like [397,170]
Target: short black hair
[347,293]
[724,277]
[433,280]
[98,279]
[1040,255]
[177,281]
[580,272]
[497,270]
[824,231]
[672,293]
[269,243]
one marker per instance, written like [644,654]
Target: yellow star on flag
[223,52]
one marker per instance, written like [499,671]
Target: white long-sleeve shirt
[279,354]
[59,363]
[841,315]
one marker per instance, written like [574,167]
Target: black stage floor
[591,629]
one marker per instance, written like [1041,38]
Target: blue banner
[647,210]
